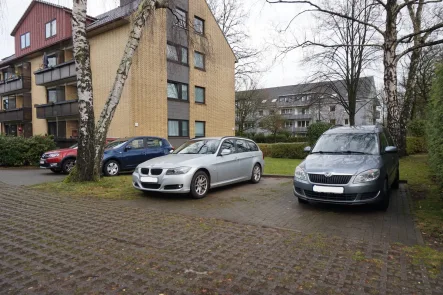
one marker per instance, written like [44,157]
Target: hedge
[284,150]
[416,145]
[19,151]
[280,138]
[417,128]
[315,130]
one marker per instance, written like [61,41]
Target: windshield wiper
[326,152]
[355,152]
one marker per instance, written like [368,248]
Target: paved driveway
[28,176]
[271,203]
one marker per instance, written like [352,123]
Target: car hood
[173,161]
[349,164]
[60,151]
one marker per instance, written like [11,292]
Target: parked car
[62,160]
[125,154]
[201,164]
[349,165]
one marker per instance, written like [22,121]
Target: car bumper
[45,164]
[354,194]
[177,184]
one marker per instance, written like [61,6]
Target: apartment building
[181,84]
[304,104]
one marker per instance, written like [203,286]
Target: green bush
[280,138]
[417,128]
[284,150]
[416,145]
[19,151]
[315,130]
[435,126]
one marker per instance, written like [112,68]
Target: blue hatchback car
[126,153]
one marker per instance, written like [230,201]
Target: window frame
[195,95]
[204,129]
[203,25]
[332,108]
[347,120]
[234,151]
[144,146]
[180,23]
[180,91]
[180,128]
[50,23]
[204,60]
[179,50]
[21,39]
[246,145]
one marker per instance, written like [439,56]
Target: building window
[248,125]
[260,113]
[332,108]
[199,60]
[52,95]
[304,111]
[51,29]
[332,121]
[346,121]
[25,40]
[182,18]
[177,91]
[178,128]
[177,53]
[302,124]
[288,124]
[200,94]
[56,94]
[52,60]
[200,129]
[199,25]
[286,111]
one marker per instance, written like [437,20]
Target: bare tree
[246,106]
[92,135]
[273,123]
[231,16]
[395,45]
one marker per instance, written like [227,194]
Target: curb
[277,176]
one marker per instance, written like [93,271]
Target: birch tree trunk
[85,170]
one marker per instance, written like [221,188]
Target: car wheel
[67,165]
[396,183]
[57,171]
[301,201]
[384,203]
[111,168]
[199,185]
[256,174]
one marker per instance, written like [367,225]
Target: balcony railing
[58,109]
[15,85]
[21,115]
[297,116]
[297,129]
[61,73]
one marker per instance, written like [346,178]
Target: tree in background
[92,135]
[246,107]
[273,123]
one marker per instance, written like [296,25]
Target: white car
[201,164]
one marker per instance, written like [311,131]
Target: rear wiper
[354,152]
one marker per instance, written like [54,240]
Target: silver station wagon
[201,164]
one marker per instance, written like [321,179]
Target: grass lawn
[281,166]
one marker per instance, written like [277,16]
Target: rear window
[252,146]
[242,146]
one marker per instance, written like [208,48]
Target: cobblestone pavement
[59,245]
[272,203]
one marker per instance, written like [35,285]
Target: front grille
[151,185]
[334,179]
[145,171]
[156,171]
[330,197]
[173,187]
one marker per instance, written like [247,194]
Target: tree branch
[421,45]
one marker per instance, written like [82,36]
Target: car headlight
[178,171]
[368,175]
[300,174]
[54,155]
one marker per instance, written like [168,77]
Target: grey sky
[262,24]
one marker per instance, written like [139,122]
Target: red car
[62,160]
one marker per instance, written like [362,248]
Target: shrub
[435,126]
[417,128]
[18,151]
[280,138]
[315,130]
[284,150]
[416,145]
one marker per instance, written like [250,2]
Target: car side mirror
[307,149]
[128,147]
[391,149]
[225,152]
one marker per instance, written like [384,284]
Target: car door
[154,148]
[245,157]
[387,157]
[227,166]
[134,153]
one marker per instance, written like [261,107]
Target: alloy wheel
[256,173]
[201,185]
[69,165]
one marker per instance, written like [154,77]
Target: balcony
[61,73]
[15,85]
[19,115]
[297,116]
[297,129]
[58,109]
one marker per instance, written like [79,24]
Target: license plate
[42,162]
[148,179]
[328,189]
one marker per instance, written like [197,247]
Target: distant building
[304,104]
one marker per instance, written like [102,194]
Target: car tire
[111,168]
[56,171]
[67,165]
[396,183]
[199,185]
[256,174]
[383,205]
[301,201]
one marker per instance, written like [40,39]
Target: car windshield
[347,143]
[115,144]
[204,146]
[74,146]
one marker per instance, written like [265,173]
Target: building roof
[114,14]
